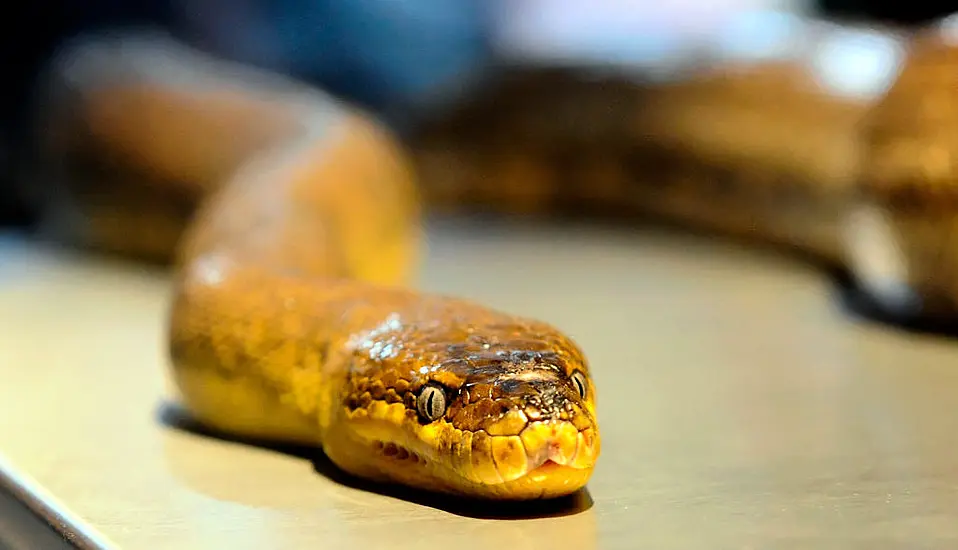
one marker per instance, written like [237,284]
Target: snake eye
[431,403]
[580,383]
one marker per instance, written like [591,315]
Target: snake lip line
[552,470]
[549,467]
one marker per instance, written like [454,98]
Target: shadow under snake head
[501,408]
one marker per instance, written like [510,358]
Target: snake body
[292,319]
[292,221]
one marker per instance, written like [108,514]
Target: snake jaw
[542,458]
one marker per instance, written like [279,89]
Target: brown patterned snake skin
[293,224]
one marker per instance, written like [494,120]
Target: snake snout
[559,432]
[558,442]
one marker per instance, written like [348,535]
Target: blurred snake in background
[293,222]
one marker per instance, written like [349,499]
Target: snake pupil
[431,403]
[578,379]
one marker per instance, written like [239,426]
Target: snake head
[502,410]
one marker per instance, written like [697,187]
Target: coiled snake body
[296,223]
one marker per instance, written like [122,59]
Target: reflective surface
[740,406]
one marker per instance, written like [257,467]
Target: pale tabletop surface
[740,408]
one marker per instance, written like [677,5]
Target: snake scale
[293,223]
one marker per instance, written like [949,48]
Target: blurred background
[401,59]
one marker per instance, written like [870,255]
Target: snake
[292,220]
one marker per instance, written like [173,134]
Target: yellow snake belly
[292,222]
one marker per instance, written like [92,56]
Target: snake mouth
[551,469]
[556,466]
[547,466]
[549,479]
[546,458]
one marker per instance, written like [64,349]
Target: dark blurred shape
[377,53]
[382,54]
[27,42]
[904,13]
